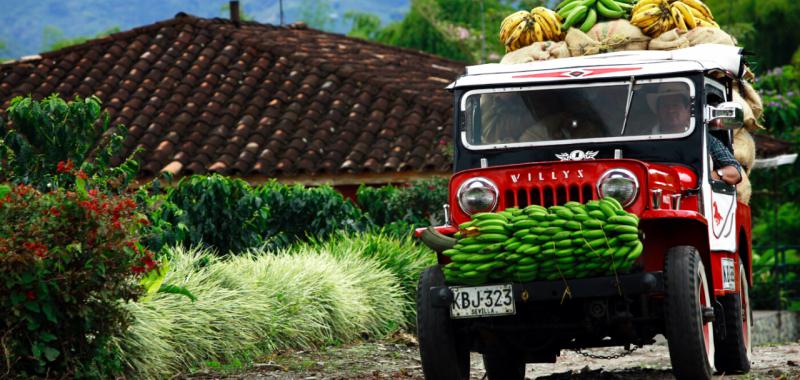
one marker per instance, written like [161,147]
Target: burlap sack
[606,37]
[674,39]
[750,120]
[538,51]
[753,99]
[744,149]
[706,35]
[744,189]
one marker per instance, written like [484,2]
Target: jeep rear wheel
[441,351]
[734,352]
[688,314]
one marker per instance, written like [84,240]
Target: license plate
[482,301]
[728,274]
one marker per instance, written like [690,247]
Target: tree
[364,25]
[317,14]
[53,38]
[460,30]
[770,28]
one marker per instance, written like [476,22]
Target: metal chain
[615,356]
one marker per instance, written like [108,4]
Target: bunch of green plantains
[536,243]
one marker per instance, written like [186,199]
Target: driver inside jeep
[673,112]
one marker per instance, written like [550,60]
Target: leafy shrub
[230,216]
[214,211]
[66,260]
[256,303]
[297,211]
[418,203]
[52,138]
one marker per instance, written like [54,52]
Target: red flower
[38,249]
[54,211]
[144,221]
[137,269]
[30,294]
[81,174]
[64,167]
[149,263]
[22,189]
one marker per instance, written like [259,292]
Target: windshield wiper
[628,104]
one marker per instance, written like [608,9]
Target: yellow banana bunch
[653,17]
[523,28]
[658,16]
[690,14]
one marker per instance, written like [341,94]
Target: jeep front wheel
[443,355]
[688,314]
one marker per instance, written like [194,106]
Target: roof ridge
[184,18]
[355,39]
[180,18]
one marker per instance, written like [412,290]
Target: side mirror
[726,116]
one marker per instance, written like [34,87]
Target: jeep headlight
[619,184]
[477,194]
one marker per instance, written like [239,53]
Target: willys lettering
[552,175]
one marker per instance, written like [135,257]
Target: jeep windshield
[547,115]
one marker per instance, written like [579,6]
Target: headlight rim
[464,185]
[625,172]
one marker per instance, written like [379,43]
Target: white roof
[609,65]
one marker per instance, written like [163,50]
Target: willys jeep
[581,129]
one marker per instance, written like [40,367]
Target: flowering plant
[780,89]
[67,259]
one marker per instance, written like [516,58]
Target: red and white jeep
[578,129]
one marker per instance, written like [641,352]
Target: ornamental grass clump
[67,262]
[400,255]
[255,303]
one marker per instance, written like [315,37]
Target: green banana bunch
[573,240]
[584,14]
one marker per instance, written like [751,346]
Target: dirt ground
[398,358]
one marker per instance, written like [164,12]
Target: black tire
[690,340]
[733,352]
[504,366]
[443,356]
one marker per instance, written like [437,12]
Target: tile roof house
[258,101]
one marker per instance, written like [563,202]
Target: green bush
[230,216]
[214,211]
[53,143]
[252,304]
[418,203]
[297,212]
[66,260]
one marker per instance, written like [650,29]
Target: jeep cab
[580,129]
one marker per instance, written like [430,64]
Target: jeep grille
[547,195]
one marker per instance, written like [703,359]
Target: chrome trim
[625,172]
[676,201]
[655,198]
[465,185]
[469,146]
[446,208]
